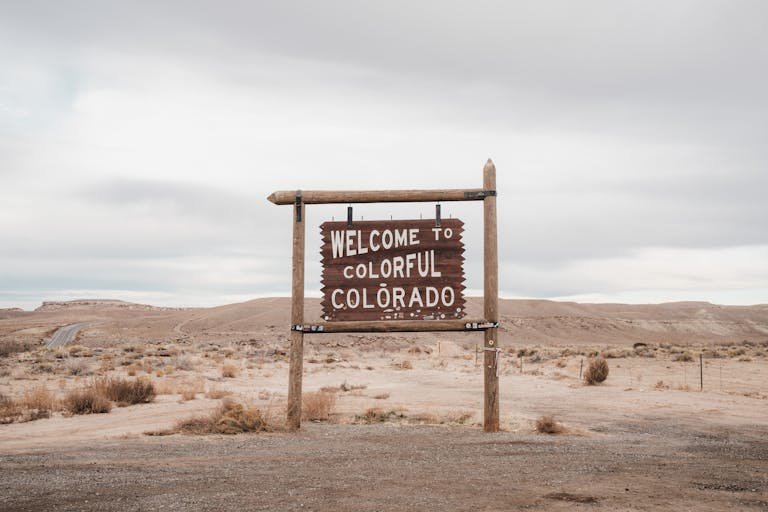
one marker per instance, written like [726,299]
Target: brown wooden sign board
[392,270]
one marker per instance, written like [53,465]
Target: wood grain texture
[373,196]
[372,281]
[399,326]
[297,317]
[490,302]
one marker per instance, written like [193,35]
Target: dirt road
[653,464]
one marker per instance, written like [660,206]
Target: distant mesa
[101,304]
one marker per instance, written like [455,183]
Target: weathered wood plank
[399,326]
[297,317]
[491,303]
[376,196]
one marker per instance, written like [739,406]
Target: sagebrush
[597,371]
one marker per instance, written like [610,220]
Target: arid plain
[394,420]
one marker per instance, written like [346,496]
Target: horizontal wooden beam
[379,196]
[396,326]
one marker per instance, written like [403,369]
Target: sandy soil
[646,439]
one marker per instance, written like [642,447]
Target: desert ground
[392,422]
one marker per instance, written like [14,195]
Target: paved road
[65,334]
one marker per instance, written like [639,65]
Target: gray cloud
[617,127]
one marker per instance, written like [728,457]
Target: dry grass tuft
[230,418]
[404,365]
[596,372]
[86,401]
[188,394]
[40,399]
[317,406]
[379,415]
[548,425]
[381,396]
[9,410]
[347,387]
[229,371]
[79,367]
[217,393]
[126,391]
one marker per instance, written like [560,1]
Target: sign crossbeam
[282,197]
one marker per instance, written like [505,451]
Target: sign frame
[488,325]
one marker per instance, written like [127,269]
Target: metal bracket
[474,326]
[482,194]
[307,328]
[437,215]
[349,216]
[298,206]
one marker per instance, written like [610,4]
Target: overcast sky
[139,140]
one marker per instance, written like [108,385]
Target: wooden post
[701,372]
[491,302]
[297,317]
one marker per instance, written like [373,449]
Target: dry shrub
[107,363]
[86,401]
[404,365]
[132,369]
[379,415]
[661,385]
[381,396]
[548,425]
[450,418]
[683,357]
[317,406]
[166,387]
[183,362]
[347,387]
[265,394]
[78,367]
[229,371]
[216,393]
[596,372]
[10,348]
[230,418]
[126,391]
[561,363]
[188,394]
[40,399]
[10,410]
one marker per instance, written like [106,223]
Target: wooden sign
[393,270]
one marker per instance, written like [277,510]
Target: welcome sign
[392,270]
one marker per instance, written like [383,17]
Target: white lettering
[398,294]
[401,237]
[337,244]
[386,268]
[409,259]
[353,293]
[382,304]
[348,267]
[373,245]
[333,299]
[415,296]
[432,296]
[412,240]
[443,296]
[351,243]
[398,263]
[386,239]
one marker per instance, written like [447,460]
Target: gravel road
[655,464]
[65,334]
